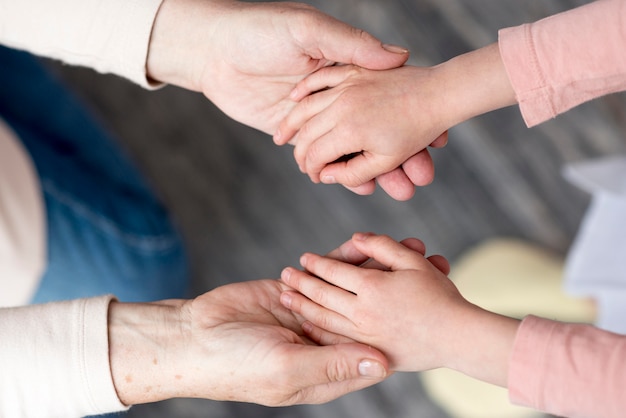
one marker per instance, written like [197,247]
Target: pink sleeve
[564,60]
[571,370]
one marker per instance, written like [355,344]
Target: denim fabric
[107,231]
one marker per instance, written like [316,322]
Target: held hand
[247,57]
[412,312]
[383,119]
[237,343]
[407,312]
[386,119]
[349,252]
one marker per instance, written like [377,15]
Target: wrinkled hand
[254,351]
[383,119]
[247,57]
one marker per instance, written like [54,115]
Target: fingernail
[371,368]
[307,327]
[277,136]
[362,236]
[285,300]
[285,274]
[293,94]
[395,49]
[329,180]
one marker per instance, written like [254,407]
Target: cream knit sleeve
[110,36]
[54,360]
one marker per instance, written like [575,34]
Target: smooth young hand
[411,311]
[380,118]
[385,119]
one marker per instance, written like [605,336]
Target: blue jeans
[107,232]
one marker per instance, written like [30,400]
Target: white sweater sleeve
[54,360]
[110,36]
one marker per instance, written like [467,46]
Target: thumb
[339,42]
[335,370]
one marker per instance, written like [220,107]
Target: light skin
[248,57]
[238,342]
[235,343]
[410,310]
[386,117]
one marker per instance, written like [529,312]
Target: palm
[257,62]
[246,335]
[247,302]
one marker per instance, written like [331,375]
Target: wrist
[475,83]
[482,345]
[180,44]
[146,342]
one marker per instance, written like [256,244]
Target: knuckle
[354,71]
[339,370]
[299,155]
[354,178]
[319,295]
[314,159]
[324,322]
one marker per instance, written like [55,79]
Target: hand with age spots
[236,343]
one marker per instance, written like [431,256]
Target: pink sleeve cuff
[572,370]
[566,59]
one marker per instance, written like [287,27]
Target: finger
[311,121]
[322,336]
[364,189]
[358,170]
[321,142]
[441,141]
[324,78]
[309,104]
[388,252]
[414,244]
[348,253]
[442,263]
[397,184]
[319,291]
[420,168]
[340,42]
[337,273]
[334,370]
[317,314]
[411,243]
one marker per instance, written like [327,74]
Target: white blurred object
[596,264]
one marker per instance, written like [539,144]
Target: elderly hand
[247,57]
[235,343]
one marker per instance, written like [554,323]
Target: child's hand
[403,312]
[379,118]
[412,312]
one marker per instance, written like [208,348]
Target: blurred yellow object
[512,278]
